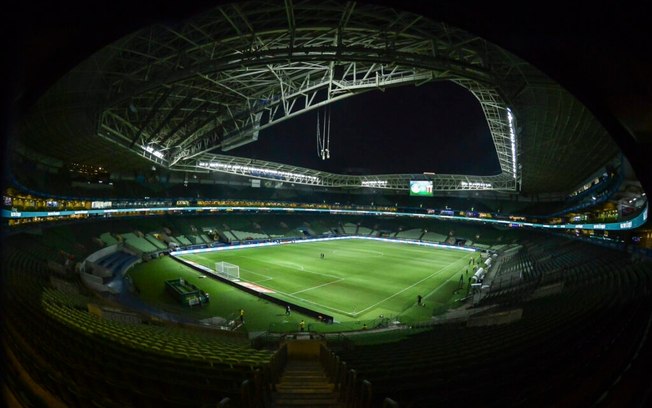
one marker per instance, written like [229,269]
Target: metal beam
[277,61]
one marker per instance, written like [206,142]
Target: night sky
[437,127]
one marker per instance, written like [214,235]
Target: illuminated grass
[356,282]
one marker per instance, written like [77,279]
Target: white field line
[256,273]
[311,272]
[365,251]
[286,264]
[260,281]
[410,287]
[337,277]
[318,286]
[314,303]
[292,264]
[266,277]
[439,287]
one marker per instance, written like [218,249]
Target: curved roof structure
[183,94]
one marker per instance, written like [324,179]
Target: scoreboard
[421,188]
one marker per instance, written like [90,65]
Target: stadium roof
[181,89]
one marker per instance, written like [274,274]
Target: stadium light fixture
[512,139]
[475,185]
[374,183]
[259,171]
[153,151]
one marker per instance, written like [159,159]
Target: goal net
[229,271]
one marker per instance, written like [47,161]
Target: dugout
[186,293]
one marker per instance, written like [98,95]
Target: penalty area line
[256,273]
[439,287]
[314,303]
[318,286]
[410,287]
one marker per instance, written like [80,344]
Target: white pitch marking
[439,287]
[314,303]
[318,286]
[411,286]
[264,280]
[294,265]
[256,273]
[301,268]
[366,251]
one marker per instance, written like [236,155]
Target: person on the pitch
[419,299]
[287,310]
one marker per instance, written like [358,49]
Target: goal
[227,270]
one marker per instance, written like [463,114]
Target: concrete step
[304,384]
[308,395]
[306,402]
[304,370]
[328,388]
[311,373]
[304,378]
[306,405]
[304,367]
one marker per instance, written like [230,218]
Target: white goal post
[229,271]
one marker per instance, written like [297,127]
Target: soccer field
[356,279]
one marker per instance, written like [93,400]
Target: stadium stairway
[304,382]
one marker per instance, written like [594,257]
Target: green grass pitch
[356,282]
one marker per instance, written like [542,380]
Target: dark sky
[437,127]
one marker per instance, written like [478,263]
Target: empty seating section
[155,241]
[231,236]
[108,239]
[414,233]
[364,230]
[117,262]
[137,243]
[549,260]
[514,276]
[564,351]
[567,348]
[196,239]
[84,360]
[434,237]
[246,235]
[183,240]
[319,226]
[176,342]
[64,239]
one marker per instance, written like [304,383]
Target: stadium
[326,204]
